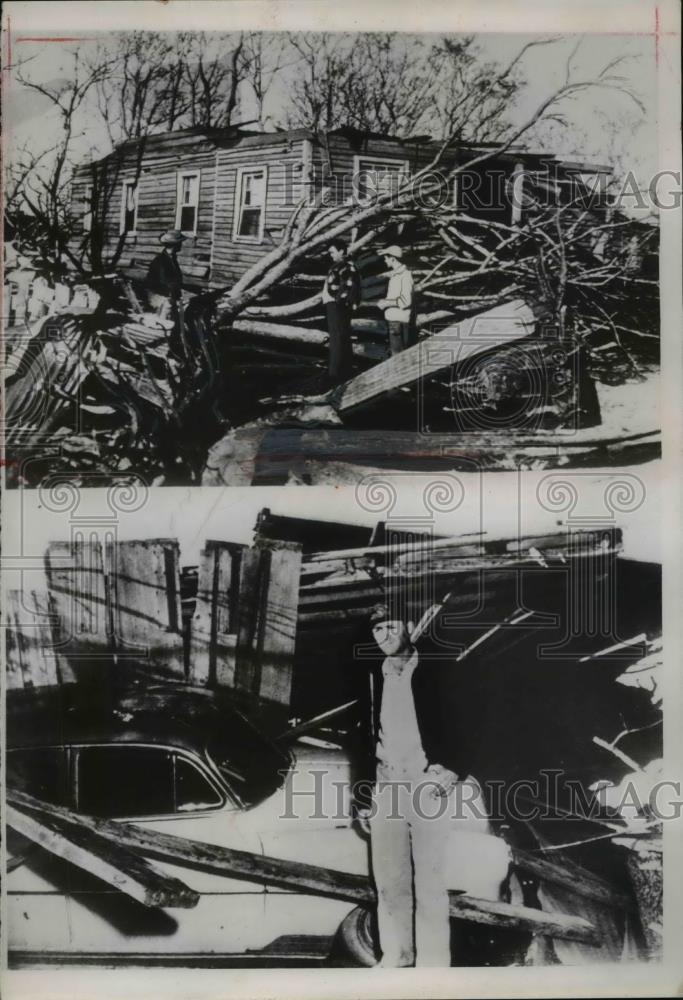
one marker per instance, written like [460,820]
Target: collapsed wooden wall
[120,604]
[243,630]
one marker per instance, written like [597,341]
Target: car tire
[354,942]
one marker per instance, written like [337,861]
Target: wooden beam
[501,325]
[121,868]
[312,879]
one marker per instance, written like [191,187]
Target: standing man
[417,766]
[341,295]
[164,278]
[398,303]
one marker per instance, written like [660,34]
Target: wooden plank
[75,576]
[508,322]
[119,867]
[267,619]
[213,635]
[313,879]
[280,623]
[33,659]
[145,592]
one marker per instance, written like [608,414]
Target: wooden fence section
[32,638]
[122,603]
[144,587]
[213,635]
[76,581]
[267,620]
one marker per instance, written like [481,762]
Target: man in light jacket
[398,303]
[418,757]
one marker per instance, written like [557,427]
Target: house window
[129,207]
[87,208]
[250,207]
[187,208]
[376,177]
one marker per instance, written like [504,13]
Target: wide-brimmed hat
[393,251]
[171,236]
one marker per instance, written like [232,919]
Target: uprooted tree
[568,251]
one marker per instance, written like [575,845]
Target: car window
[192,790]
[117,781]
[40,772]
[251,766]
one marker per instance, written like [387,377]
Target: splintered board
[453,345]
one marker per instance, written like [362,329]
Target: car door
[159,788]
[171,790]
[37,883]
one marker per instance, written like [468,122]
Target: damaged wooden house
[166,726]
[532,350]
[231,192]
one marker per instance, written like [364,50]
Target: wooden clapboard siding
[298,163]
[32,659]
[267,620]
[76,582]
[146,613]
[213,634]
[284,160]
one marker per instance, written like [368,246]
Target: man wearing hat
[418,757]
[399,300]
[164,277]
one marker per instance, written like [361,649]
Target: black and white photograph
[290,741]
[233,258]
[341,450]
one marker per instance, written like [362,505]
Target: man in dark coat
[341,295]
[164,276]
[421,760]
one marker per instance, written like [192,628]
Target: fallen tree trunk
[301,877]
[295,334]
[263,453]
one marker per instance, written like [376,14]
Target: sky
[632,142]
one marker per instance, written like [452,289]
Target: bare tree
[314,226]
[39,181]
[389,83]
